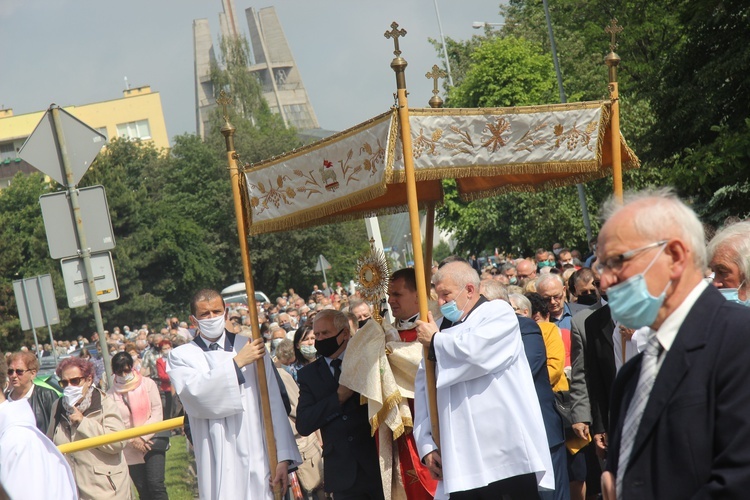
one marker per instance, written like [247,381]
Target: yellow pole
[612,60]
[237,189]
[114,437]
[399,65]
[429,236]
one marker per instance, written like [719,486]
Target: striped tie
[649,369]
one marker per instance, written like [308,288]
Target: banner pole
[612,60]
[237,181]
[399,66]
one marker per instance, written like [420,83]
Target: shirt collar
[341,357]
[668,330]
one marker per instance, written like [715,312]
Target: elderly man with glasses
[678,420]
[552,289]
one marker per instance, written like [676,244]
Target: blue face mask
[631,303]
[732,294]
[450,310]
[512,280]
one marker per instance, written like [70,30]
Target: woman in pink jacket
[139,403]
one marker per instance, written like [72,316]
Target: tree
[505,72]
[23,251]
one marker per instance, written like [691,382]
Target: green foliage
[23,250]
[505,72]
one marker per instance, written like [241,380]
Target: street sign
[36,302]
[322,264]
[60,225]
[104,279]
[82,143]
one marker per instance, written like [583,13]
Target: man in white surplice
[492,437]
[217,382]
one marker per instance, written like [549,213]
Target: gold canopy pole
[237,184]
[429,233]
[399,65]
[612,60]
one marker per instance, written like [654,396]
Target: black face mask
[362,322]
[328,346]
[587,299]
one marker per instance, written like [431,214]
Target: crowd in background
[549,287]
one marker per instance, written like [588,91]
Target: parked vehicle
[237,294]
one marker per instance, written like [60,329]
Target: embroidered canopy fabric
[360,171]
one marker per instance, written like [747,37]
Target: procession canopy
[360,172]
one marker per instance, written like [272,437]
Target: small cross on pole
[613,29]
[434,75]
[395,33]
[224,100]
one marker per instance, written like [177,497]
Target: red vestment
[416,478]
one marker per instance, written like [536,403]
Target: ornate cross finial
[435,74]
[224,100]
[395,33]
[613,29]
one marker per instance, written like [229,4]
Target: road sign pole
[46,317]
[31,318]
[85,251]
[322,268]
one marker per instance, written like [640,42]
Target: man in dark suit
[349,452]
[599,359]
[536,353]
[678,415]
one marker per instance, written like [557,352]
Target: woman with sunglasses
[139,403]
[22,368]
[83,412]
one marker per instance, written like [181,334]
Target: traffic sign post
[322,265]
[35,298]
[60,224]
[104,277]
[75,146]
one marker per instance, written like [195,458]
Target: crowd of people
[526,354]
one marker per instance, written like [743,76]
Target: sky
[74,52]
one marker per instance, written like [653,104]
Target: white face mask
[125,378]
[73,394]
[212,328]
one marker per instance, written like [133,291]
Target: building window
[7,151]
[134,130]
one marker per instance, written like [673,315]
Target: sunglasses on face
[17,372]
[75,381]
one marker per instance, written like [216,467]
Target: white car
[237,293]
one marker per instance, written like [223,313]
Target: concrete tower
[273,65]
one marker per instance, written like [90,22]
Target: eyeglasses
[614,263]
[17,372]
[494,273]
[556,298]
[76,381]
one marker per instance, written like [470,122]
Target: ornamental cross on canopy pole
[224,100]
[395,33]
[613,29]
[435,74]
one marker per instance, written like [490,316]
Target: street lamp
[479,24]
[445,50]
